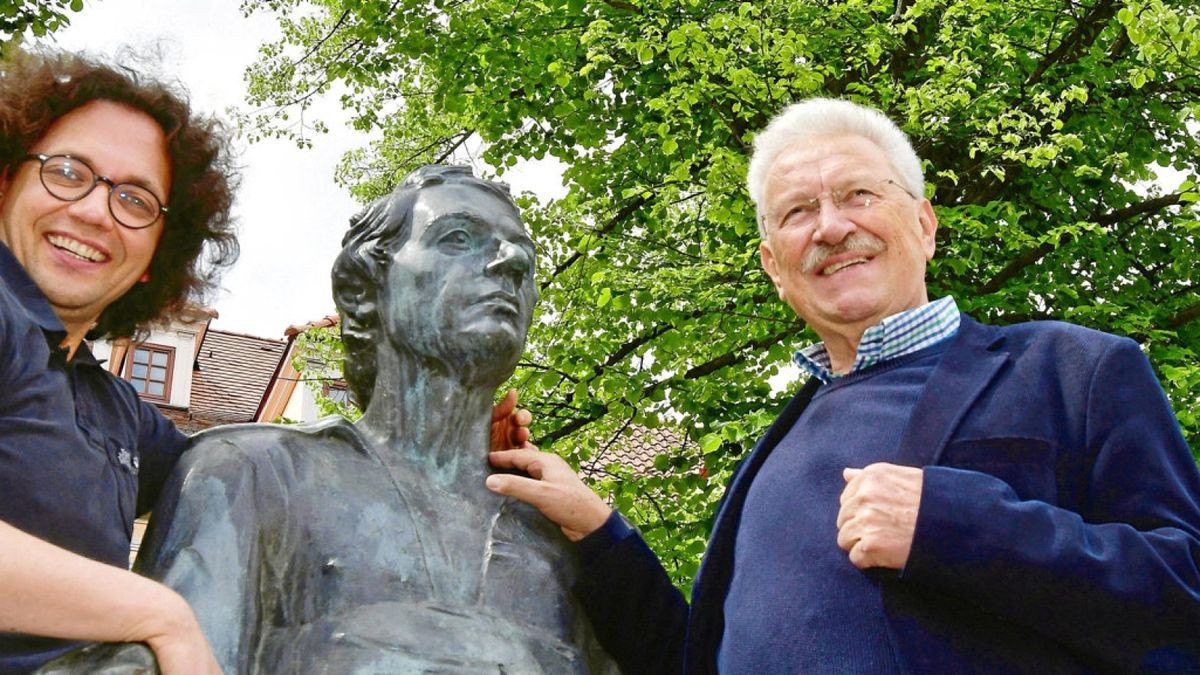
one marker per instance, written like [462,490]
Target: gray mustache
[864,242]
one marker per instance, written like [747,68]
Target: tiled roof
[637,449]
[183,420]
[232,372]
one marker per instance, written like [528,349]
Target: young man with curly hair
[114,211]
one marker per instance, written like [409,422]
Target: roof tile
[232,372]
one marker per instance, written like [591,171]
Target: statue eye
[455,241]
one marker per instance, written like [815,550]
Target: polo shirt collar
[34,301]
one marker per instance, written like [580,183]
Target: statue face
[460,291]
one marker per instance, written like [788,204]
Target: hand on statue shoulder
[552,487]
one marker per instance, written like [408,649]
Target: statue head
[440,271]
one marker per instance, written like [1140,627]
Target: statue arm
[205,536]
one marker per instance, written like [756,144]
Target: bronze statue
[374,546]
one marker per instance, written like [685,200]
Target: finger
[859,555]
[847,537]
[508,484]
[522,417]
[532,462]
[513,458]
[530,490]
[854,480]
[506,405]
[845,513]
[850,492]
[519,435]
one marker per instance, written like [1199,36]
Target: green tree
[39,16]
[318,358]
[1043,123]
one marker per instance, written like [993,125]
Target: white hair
[831,117]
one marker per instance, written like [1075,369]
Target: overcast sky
[291,215]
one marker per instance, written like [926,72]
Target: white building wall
[184,342]
[302,405]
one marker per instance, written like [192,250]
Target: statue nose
[511,260]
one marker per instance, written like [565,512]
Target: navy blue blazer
[1059,526]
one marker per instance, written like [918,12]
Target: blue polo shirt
[80,454]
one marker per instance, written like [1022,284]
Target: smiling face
[460,290]
[845,269]
[78,255]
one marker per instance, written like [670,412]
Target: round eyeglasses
[71,179]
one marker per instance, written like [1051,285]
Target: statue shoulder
[258,442]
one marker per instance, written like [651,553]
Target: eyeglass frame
[42,158]
[838,201]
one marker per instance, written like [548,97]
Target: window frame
[152,348]
[340,386]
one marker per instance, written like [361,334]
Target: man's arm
[47,590]
[638,615]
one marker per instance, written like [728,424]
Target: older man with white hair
[940,496]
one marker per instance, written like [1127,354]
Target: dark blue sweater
[829,618]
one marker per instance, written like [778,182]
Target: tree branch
[1184,316]
[325,38]
[1074,44]
[1031,256]
[732,357]
[1148,206]
[595,461]
[462,138]
[624,6]
[625,211]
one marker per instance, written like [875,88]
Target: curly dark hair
[38,88]
[375,234]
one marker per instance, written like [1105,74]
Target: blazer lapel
[969,364]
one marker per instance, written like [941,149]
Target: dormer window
[149,368]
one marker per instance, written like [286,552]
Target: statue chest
[354,540]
